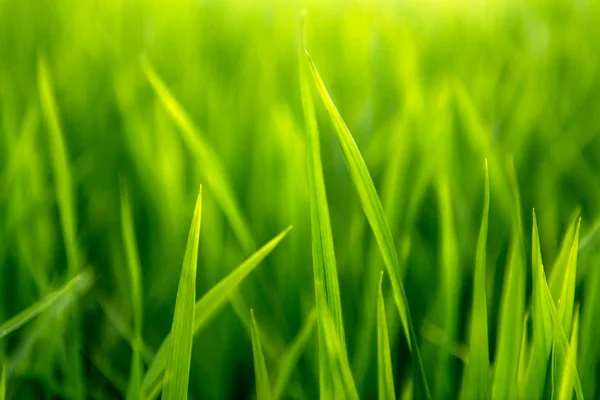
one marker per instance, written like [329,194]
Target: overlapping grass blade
[74,288]
[209,304]
[567,297]
[344,386]
[263,389]
[134,269]
[559,270]
[179,356]
[590,331]
[568,375]
[525,354]
[373,210]
[289,359]
[64,194]
[476,376]
[327,292]
[543,326]
[512,308]
[384,360]
[210,165]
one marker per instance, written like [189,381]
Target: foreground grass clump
[407,144]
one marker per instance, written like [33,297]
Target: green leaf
[567,297]
[210,165]
[384,361]
[209,304]
[373,210]
[543,326]
[569,371]
[263,390]
[290,357]
[58,298]
[512,306]
[182,331]
[476,376]
[559,270]
[327,291]
[134,269]
[3,381]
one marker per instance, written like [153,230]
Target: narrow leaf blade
[263,389]
[384,360]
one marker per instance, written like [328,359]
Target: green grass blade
[75,287]
[182,331]
[559,270]
[327,292]
[568,374]
[567,297]
[373,210]
[3,381]
[134,269]
[344,386]
[209,304]
[263,389]
[60,166]
[210,165]
[543,326]
[289,359]
[512,308]
[525,353]
[384,360]
[476,377]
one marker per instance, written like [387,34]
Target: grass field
[230,200]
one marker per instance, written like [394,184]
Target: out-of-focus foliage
[159,97]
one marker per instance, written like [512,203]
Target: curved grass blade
[75,287]
[179,356]
[263,390]
[344,386]
[384,361]
[373,210]
[559,270]
[568,375]
[210,165]
[209,304]
[134,269]
[543,327]
[512,308]
[567,297]
[327,292]
[475,383]
[290,358]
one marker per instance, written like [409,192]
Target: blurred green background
[428,89]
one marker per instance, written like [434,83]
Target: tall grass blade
[263,389]
[134,269]
[568,374]
[567,297]
[74,288]
[182,331]
[543,327]
[209,304]
[475,383]
[373,210]
[559,270]
[3,381]
[327,292]
[512,308]
[212,169]
[384,359]
[289,359]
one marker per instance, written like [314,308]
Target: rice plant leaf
[210,165]
[263,389]
[569,370]
[384,360]
[60,166]
[512,308]
[179,356]
[543,326]
[209,304]
[567,297]
[134,269]
[373,210]
[289,359]
[75,287]
[327,292]
[525,353]
[475,383]
[559,270]
[344,386]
